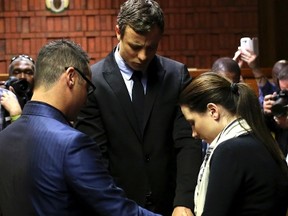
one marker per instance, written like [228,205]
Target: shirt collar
[124,68]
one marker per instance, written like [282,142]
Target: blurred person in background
[17,90]
[265,86]
[228,68]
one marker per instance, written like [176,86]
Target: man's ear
[213,111]
[118,32]
[70,77]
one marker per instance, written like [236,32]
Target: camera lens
[279,110]
[21,86]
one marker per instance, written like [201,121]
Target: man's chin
[138,67]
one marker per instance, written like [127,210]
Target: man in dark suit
[150,151]
[48,167]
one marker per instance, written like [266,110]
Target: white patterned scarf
[234,129]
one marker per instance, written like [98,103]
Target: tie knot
[137,75]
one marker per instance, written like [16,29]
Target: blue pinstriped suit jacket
[63,165]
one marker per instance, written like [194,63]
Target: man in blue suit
[48,167]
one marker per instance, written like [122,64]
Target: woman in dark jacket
[244,171]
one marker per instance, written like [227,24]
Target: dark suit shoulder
[95,67]
[106,64]
[166,60]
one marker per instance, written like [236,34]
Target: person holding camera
[268,94]
[276,111]
[17,90]
[22,67]
[21,77]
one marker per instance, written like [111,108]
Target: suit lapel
[113,77]
[155,75]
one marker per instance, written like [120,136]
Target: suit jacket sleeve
[188,155]
[89,121]
[88,178]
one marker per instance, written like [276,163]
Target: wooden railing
[3,77]
[245,72]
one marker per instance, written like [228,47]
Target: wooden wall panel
[273,43]
[197,31]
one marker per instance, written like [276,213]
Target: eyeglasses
[22,56]
[91,88]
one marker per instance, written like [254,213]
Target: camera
[280,107]
[22,89]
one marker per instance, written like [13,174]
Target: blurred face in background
[283,84]
[22,68]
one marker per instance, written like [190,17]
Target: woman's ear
[213,110]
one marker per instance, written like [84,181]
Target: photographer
[17,90]
[275,110]
[265,86]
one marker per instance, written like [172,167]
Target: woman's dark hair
[238,99]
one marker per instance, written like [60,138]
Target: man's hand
[10,102]
[268,103]
[243,55]
[182,211]
[237,57]
[250,58]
